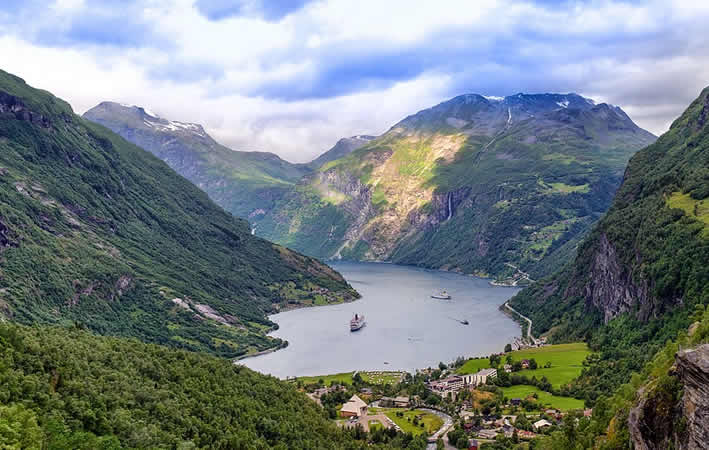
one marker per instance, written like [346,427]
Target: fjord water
[406,328]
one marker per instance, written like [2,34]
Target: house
[386,402]
[507,428]
[355,407]
[587,412]
[525,364]
[401,402]
[473,444]
[366,391]
[516,401]
[487,434]
[508,368]
[526,435]
[539,424]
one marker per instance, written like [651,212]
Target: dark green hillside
[96,231]
[645,266]
[67,389]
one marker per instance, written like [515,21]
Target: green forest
[65,388]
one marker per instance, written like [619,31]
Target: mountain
[644,268]
[342,148]
[99,233]
[495,186]
[241,182]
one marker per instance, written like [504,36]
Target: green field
[696,209]
[373,377]
[566,362]
[473,366]
[431,422]
[342,378]
[545,399]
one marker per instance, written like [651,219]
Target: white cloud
[649,58]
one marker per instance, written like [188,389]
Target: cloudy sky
[292,77]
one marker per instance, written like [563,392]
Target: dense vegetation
[643,269]
[472,185]
[96,231]
[65,388]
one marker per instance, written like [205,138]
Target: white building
[481,377]
[538,425]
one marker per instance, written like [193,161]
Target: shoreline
[261,353]
[483,276]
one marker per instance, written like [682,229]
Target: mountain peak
[477,114]
[140,117]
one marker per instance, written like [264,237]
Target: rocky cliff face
[611,289]
[693,372]
[675,414]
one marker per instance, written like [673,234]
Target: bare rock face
[611,289]
[659,421]
[693,371]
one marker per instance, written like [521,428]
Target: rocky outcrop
[659,421]
[9,104]
[611,288]
[693,371]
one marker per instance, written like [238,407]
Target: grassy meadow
[370,377]
[566,362]
[431,422]
[545,399]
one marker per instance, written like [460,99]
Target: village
[451,408]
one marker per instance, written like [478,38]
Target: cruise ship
[443,295]
[357,322]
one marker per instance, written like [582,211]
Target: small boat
[465,322]
[357,322]
[443,295]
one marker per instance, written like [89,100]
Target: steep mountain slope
[241,182]
[474,184]
[342,148]
[644,267]
[97,231]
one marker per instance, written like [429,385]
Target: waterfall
[450,208]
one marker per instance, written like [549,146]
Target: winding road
[529,327]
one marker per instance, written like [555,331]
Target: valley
[104,247]
[332,225]
[502,188]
